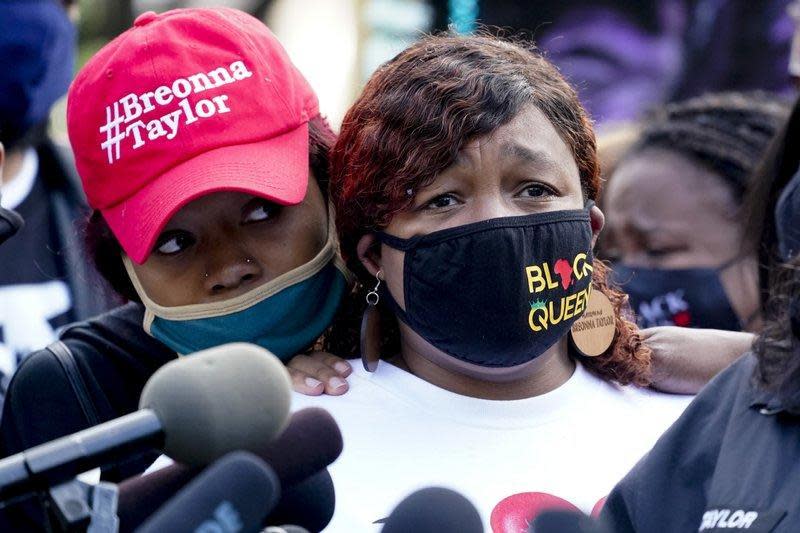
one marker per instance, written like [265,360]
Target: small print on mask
[692,298]
[500,292]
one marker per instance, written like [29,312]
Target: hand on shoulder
[319,372]
[685,359]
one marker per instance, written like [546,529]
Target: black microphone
[196,409]
[434,510]
[310,443]
[309,504]
[561,521]
[234,494]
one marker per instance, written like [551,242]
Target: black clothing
[50,250]
[730,462]
[90,293]
[31,258]
[115,358]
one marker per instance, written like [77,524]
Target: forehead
[528,137]
[658,186]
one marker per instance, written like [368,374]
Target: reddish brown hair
[417,112]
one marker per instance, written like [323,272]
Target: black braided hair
[726,132]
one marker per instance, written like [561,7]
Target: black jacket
[115,358]
[731,462]
[90,294]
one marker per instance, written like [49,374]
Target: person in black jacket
[232,192]
[44,281]
[732,460]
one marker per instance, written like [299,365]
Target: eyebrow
[536,157]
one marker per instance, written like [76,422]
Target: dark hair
[414,116]
[106,252]
[777,347]
[13,139]
[725,132]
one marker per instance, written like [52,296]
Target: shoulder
[38,404]
[116,338]
[114,358]
[364,396]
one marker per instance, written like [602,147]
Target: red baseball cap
[186,103]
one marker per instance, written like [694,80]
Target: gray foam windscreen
[230,397]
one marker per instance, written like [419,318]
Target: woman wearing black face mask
[673,212]
[463,183]
[732,461]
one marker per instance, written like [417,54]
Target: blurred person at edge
[732,460]
[45,282]
[465,161]
[673,212]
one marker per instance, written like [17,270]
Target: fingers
[315,368]
[305,384]
[341,366]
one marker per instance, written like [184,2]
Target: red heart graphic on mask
[564,269]
[682,319]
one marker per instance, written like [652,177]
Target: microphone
[285,529]
[196,409]
[561,521]
[234,494]
[309,504]
[434,510]
[310,443]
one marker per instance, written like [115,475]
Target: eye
[442,201]
[259,211]
[536,190]
[174,242]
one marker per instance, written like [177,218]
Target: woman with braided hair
[732,460]
[673,212]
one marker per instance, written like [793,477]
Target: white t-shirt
[402,434]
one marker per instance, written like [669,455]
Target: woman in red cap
[193,135]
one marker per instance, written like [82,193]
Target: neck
[13,164]
[542,375]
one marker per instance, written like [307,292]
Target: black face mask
[688,297]
[10,224]
[497,293]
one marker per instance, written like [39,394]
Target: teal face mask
[285,315]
